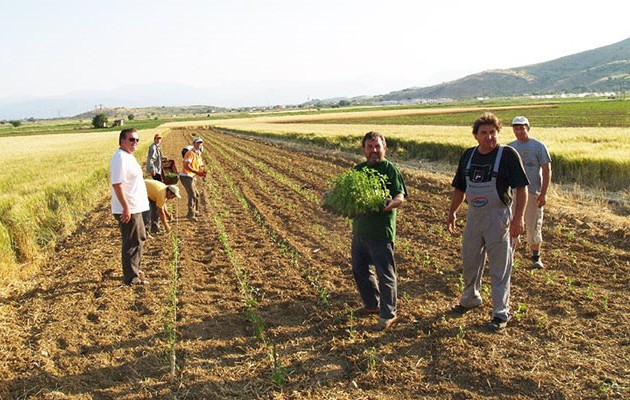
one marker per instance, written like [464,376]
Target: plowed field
[264,295]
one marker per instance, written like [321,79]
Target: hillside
[605,69]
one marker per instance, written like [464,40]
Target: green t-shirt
[380,225]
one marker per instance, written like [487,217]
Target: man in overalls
[485,177]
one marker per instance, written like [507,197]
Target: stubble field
[264,294]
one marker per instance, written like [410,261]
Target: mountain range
[604,69]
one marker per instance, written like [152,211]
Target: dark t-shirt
[511,172]
[380,225]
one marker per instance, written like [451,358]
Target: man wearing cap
[537,163]
[192,168]
[154,158]
[158,193]
[486,177]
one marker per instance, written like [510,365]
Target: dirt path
[264,293]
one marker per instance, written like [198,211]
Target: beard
[374,158]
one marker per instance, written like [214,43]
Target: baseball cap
[175,190]
[520,120]
[197,140]
[157,135]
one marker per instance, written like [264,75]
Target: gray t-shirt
[534,154]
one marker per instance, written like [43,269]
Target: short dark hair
[372,135]
[124,133]
[487,119]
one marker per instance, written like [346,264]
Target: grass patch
[46,186]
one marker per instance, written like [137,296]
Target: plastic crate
[170,175]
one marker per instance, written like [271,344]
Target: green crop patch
[357,192]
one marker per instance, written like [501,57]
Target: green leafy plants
[357,192]
[521,310]
[371,358]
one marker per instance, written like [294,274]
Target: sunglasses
[134,139]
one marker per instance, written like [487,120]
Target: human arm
[193,163]
[164,218]
[457,198]
[546,180]
[126,214]
[395,202]
[396,187]
[518,222]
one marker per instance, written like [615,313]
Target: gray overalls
[487,232]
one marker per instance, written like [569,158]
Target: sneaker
[384,324]
[136,281]
[365,312]
[497,324]
[537,265]
[192,218]
[461,310]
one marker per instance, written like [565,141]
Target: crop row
[284,246]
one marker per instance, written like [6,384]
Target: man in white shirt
[129,201]
[537,163]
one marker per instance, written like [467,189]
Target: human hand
[391,204]
[125,216]
[451,224]
[517,226]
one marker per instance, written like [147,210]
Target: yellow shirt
[192,161]
[156,191]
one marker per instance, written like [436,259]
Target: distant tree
[344,103]
[99,121]
[15,123]
[31,119]
[131,117]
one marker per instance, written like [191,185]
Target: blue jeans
[378,291]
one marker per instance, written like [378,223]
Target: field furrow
[259,294]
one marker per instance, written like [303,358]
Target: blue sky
[331,48]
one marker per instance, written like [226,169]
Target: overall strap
[470,160]
[497,161]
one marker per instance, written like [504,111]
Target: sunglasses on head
[134,139]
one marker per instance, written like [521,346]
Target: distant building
[118,122]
